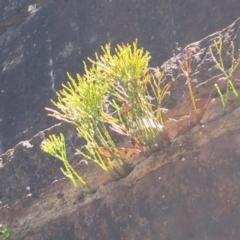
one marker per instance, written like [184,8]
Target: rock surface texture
[40,40]
[187,190]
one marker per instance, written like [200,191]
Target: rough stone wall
[187,190]
[40,40]
[194,197]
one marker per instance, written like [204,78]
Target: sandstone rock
[187,190]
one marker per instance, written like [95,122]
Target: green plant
[4,233]
[133,92]
[118,92]
[218,59]
[55,146]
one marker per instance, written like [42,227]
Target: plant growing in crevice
[118,92]
[218,59]
[184,61]
[55,146]
[131,82]
[4,233]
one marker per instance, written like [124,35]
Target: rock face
[194,196]
[41,40]
[187,190]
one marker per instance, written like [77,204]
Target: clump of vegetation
[218,59]
[118,92]
[4,233]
